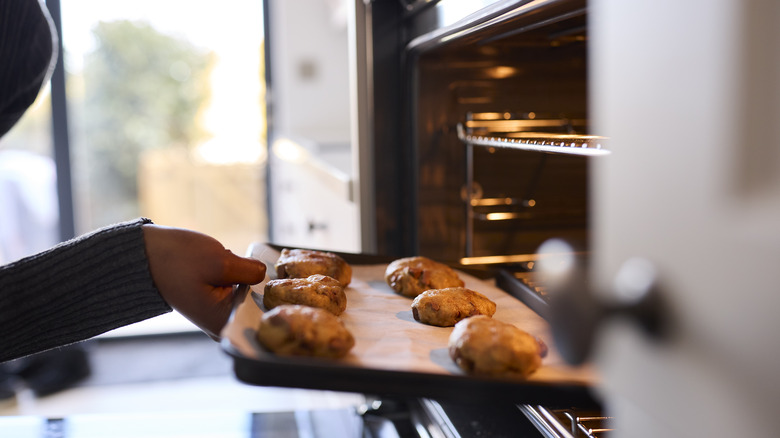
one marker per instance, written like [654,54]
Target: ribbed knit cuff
[76,290]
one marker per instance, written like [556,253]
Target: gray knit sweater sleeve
[76,290]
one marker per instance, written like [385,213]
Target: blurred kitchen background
[166,106]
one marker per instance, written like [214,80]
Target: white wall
[311,180]
[309,68]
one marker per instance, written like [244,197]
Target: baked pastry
[301,263]
[295,330]
[315,290]
[484,346]
[445,307]
[411,276]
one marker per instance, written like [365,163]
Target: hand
[195,274]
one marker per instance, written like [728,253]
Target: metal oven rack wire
[521,131]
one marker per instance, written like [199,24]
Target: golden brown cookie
[315,290]
[481,345]
[295,330]
[445,307]
[301,263]
[412,276]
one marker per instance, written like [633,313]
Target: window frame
[60,132]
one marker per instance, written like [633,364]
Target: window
[28,186]
[166,113]
[166,119]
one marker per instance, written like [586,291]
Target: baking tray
[394,355]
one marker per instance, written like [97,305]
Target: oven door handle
[576,312]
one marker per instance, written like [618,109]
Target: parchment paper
[387,336]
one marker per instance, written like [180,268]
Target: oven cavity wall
[529,65]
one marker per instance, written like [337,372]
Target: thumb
[243,270]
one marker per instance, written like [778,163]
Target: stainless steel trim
[439,424]
[362,116]
[482,18]
[545,422]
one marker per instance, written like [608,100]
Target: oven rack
[568,423]
[590,145]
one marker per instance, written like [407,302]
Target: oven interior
[503,146]
[503,140]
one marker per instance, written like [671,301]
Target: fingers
[242,270]
[195,254]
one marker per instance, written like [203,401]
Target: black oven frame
[400,35]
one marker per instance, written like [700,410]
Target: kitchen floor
[173,374]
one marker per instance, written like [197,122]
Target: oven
[481,144]
[627,142]
[473,146]
[638,133]
[473,119]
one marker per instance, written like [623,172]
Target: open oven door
[689,93]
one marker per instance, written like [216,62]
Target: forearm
[77,290]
